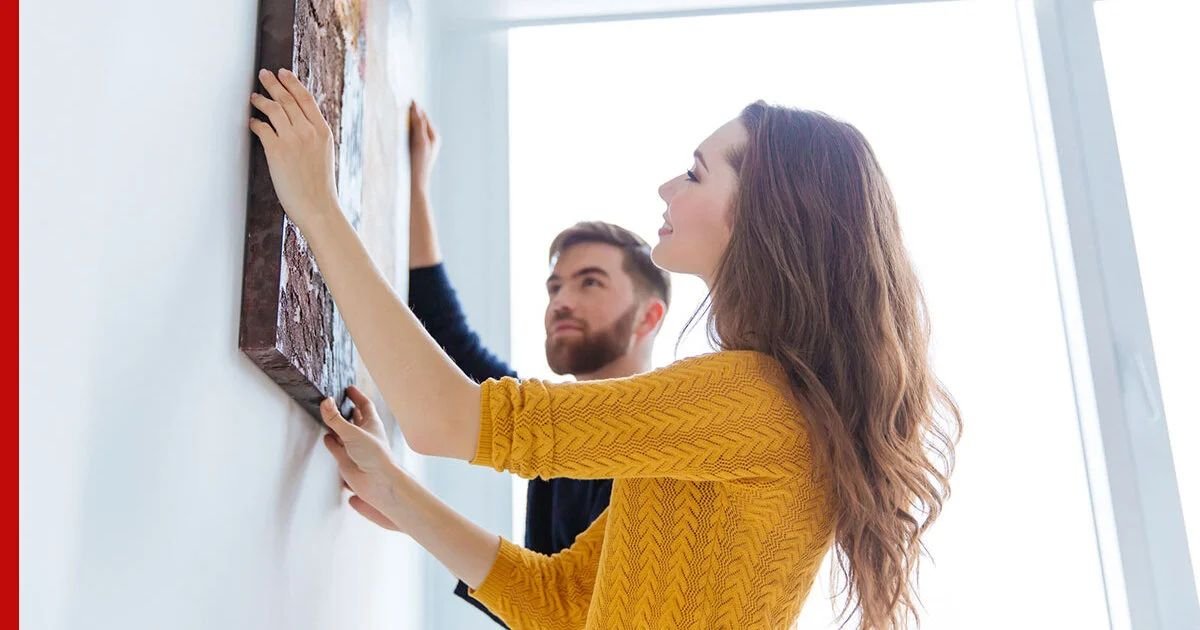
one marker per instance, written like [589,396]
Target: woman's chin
[660,254]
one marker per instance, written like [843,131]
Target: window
[1152,65]
[602,113]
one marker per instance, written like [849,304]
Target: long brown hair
[817,277]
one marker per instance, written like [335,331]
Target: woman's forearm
[466,549]
[436,405]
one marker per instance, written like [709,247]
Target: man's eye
[552,290]
[591,282]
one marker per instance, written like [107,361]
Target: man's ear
[653,314]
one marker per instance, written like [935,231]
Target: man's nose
[560,306]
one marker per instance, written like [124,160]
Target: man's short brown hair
[648,278]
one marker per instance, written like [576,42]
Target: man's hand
[364,459]
[423,250]
[423,145]
[299,147]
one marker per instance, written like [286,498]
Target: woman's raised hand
[299,147]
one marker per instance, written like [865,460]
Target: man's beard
[593,350]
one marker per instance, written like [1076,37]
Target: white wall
[470,200]
[165,481]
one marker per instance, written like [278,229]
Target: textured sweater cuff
[504,571]
[483,450]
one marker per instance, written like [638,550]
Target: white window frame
[1148,576]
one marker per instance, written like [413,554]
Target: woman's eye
[691,175]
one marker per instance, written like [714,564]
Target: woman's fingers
[280,95]
[360,400]
[273,110]
[303,98]
[371,514]
[339,453]
[264,132]
[333,419]
[358,442]
[365,414]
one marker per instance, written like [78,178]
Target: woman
[818,423]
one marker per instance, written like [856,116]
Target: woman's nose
[664,191]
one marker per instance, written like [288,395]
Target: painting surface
[290,326]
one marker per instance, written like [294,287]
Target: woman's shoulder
[743,370]
[743,374]
[734,362]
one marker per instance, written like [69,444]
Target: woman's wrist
[405,494]
[315,217]
[466,549]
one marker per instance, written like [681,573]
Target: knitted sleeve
[721,416]
[532,591]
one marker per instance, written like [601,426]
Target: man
[607,301]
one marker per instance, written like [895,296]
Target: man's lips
[565,327]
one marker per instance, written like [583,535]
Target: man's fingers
[427,126]
[304,99]
[280,95]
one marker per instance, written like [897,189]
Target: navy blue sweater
[557,510]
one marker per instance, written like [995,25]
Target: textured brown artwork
[290,327]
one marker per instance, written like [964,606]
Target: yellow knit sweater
[717,520]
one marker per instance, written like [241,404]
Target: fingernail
[327,403]
[284,71]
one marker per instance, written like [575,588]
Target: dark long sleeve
[434,302]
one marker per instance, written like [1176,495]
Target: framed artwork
[290,327]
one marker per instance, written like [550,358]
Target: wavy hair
[816,276]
